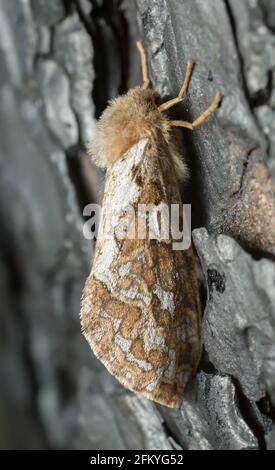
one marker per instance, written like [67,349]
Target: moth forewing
[138,312]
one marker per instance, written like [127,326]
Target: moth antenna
[192,125]
[144,65]
[184,87]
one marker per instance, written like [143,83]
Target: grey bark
[60,62]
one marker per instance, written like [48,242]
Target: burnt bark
[60,63]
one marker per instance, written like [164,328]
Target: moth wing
[140,312]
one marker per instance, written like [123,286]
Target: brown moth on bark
[140,308]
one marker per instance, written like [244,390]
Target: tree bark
[60,63]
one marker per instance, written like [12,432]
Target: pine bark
[60,63]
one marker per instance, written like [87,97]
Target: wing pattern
[140,308]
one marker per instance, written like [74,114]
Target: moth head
[144,97]
[125,121]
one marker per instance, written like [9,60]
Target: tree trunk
[60,62]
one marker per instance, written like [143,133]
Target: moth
[141,309]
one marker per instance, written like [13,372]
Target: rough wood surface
[60,61]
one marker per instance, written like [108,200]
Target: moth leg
[192,125]
[144,65]
[187,78]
